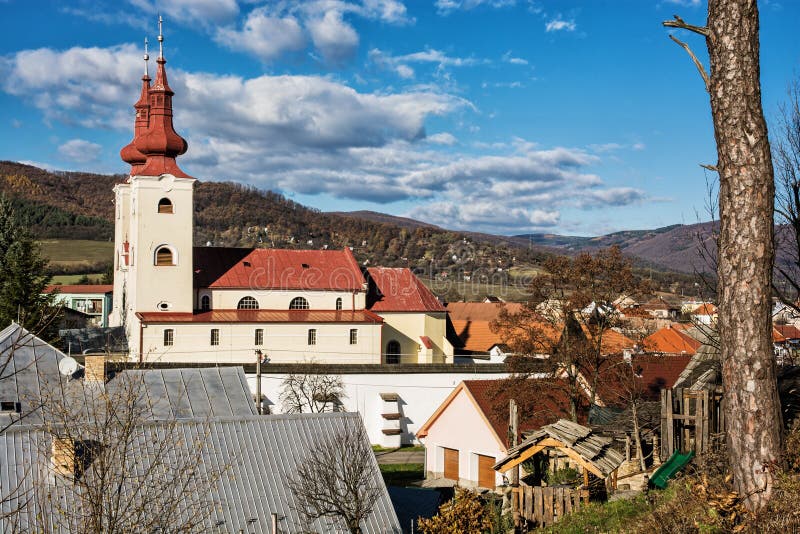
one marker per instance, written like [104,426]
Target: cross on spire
[160,38]
[146,57]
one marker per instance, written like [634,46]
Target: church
[186,304]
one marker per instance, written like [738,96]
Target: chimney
[95,369]
[63,456]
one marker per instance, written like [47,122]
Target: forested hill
[75,205]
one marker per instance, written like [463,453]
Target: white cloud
[265,36]
[443,138]
[313,135]
[80,151]
[687,3]
[509,58]
[333,37]
[204,12]
[400,64]
[559,24]
[446,6]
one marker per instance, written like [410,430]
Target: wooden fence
[543,506]
[689,418]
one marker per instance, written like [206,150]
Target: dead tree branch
[696,61]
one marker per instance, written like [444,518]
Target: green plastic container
[676,462]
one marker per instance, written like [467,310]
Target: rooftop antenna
[160,38]
[146,57]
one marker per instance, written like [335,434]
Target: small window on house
[339,303]
[10,407]
[247,303]
[205,303]
[259,336]
[164,257]
[312,336]
[298,303]
[393,352]
[165,205]
[354,336]
[169,337]
[214,337]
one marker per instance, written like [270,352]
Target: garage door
[486,476]
[451,464]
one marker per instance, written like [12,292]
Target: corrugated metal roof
[292,269]
[189,393]
[259,453]
[399,290]
[263,316]
[28,371]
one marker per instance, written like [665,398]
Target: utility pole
[513,433]
[258,382]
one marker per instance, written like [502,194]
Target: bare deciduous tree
[745,258]
[337,479]
[311,392]
[564,326]
[101,464]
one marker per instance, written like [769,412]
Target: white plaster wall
[461,427]
[283,343]
[420,395]
[275,299]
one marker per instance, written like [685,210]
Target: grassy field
[514,291]
[67,279]
[401,474]
[70,252]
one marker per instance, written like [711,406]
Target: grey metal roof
[190,393]
[28,372]
[261,454]
[594,449]
[703,370]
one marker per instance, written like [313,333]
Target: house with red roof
[468,433]
[93,300]
[181,303]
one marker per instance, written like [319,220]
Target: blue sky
[504,116]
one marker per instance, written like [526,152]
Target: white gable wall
[460,426]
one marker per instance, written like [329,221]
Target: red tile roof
[293,269]
[788,331]
[480,311]
[399,290]
[80,289]
[670,340]
[263,316]
[656,372]
[476,336]
[426,341]
[705,309]
[492,402]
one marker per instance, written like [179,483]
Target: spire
[161,144]
[130,154]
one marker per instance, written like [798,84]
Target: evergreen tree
[22,277]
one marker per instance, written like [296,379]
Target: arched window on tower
[247,303]
[298,303]
[165,205]
[164,256]
[205,303]
[339,303]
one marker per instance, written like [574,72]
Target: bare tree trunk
[637,436]
[745,247]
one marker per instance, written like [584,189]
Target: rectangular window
[215,336]
[312,336]
[353,336]
[259,336]
[169,337]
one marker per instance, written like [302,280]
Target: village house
[92,300]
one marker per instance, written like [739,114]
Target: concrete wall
[461,427]
[283,343]
[420,395]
